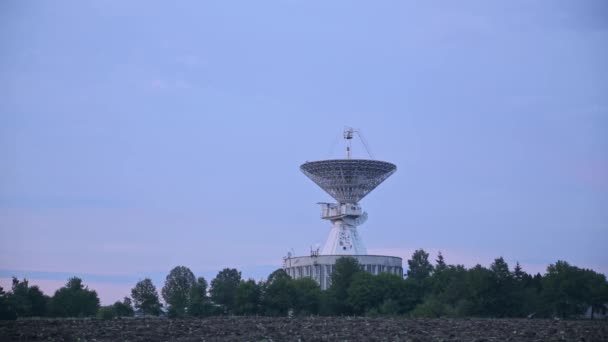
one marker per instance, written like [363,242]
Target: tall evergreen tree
[502,289]
[440,264]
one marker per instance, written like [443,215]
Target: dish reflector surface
[348,180]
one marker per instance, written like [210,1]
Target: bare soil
[267,329]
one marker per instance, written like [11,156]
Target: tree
[502,303]
[223,287]
[199,305]
[518,273]
[524,294]
[7,311]
[106,312]
[118,309]
[247,298]
[440,263]
[176,292]
[124,308]
[480,283]
[448,294]
[396,294]
[19,297]
[145,297]
[39,302]
[563,290]
[278,294]
[307,296]
[597,292]
[74,300]
[27,301]
[419,266]
[363,293]
[344,272]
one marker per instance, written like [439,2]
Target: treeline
[428,290]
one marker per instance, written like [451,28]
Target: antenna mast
[348,135]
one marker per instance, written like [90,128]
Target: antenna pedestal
[343,238]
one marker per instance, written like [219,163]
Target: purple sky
[138,135]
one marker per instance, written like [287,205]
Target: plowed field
[303,329]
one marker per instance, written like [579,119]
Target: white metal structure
[347,181]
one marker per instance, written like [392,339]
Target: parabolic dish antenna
[348,180]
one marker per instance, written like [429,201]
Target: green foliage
[307,296]
[74,300]
[25,300]
[597,292]
[199,305]
[384,294]
[568,290]
[177,290]
[223,288]
[278,294]
[7,311]
[124,308]
[344,272]
[479,280]
[440,264]
[247,298]
[39,302]
[19,297]
[502,300]
[145,298]
[450,285]
[363,293]
[440,291]
[419,266]
[432,307]
[106,312]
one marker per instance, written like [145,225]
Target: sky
[136,136]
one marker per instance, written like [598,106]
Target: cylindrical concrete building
[320,267]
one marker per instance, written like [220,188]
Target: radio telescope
[348,181]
